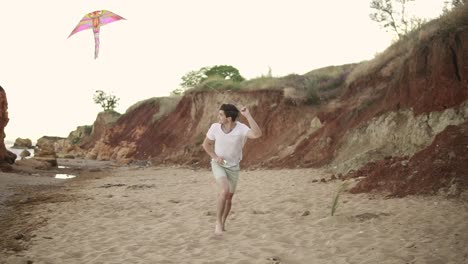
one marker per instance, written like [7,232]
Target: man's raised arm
[255,131]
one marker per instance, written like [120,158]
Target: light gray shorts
[232,174]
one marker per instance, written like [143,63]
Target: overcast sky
[50,79]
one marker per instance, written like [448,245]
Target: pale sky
[50,80]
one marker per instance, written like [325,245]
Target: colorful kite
[95,20]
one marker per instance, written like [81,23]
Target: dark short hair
[230,111]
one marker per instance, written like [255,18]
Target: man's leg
[223,193]
[227,209]
[233,177]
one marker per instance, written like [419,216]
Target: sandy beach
[139,214]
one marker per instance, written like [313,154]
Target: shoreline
[166,215]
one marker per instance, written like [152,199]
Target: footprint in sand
[141,186]
[274,260]
[367,216]
[254,211]
[109,185]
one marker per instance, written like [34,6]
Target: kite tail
[96,43]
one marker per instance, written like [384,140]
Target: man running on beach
[224,142]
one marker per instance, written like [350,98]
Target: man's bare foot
[222,227]
[218,229]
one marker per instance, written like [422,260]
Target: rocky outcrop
[46,150]
[104,121]
[21,143]
[80,133]
[78,140]
[58,144]
[6,157]
[25,153]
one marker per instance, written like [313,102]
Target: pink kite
[95,20]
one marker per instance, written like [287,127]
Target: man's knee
[229,196]
[226,195]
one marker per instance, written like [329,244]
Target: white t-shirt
[229,145]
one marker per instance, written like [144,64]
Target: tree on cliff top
[393,15]
[453,4]
[194,78]
[458,3]
[107,102]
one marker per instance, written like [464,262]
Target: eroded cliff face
[440,168]
[6,157]
[176,136]
[103,121]
[396,133]
[3,122]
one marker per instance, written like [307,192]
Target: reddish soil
[441,166]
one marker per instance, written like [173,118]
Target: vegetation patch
[390,61]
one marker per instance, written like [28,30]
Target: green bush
[224,77]
[107,101]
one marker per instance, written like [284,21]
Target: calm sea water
[9,144]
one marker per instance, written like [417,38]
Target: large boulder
[62,146]
[25,153]
[33,164]
[45,150]
[47,142]
[22,143]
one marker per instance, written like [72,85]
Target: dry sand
[142,214]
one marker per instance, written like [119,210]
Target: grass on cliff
[165,104]
[390,62]
[310,88]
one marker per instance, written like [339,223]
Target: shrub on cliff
[107,101]
[209,78]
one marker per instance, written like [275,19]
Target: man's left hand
[244,111]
